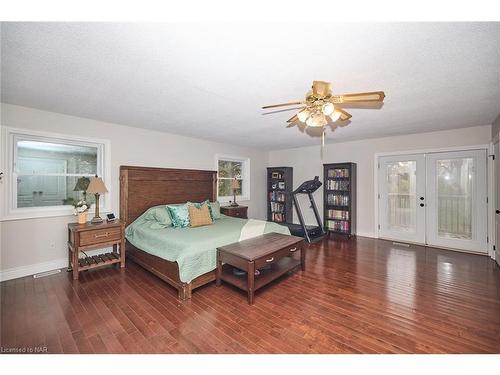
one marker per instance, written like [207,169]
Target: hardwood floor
[357,296]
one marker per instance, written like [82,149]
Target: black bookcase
[339,195]
[279,200]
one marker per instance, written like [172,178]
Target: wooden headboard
[145,187]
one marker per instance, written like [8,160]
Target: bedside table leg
[122,254]
[75,265]
[70,258]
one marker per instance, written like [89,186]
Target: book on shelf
[277,207]
[338,226]
[338,173]
[338,214]
[337,185]
[277,217]
[337,199]
[277,196]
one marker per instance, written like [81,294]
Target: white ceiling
[210,80]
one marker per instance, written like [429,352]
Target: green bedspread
[194,249]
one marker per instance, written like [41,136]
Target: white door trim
[377,155]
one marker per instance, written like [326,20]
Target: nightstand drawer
[98,236]
[238,211]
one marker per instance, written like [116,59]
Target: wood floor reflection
[357,296]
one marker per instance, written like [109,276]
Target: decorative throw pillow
[199,216]
[160,215]
[179,215]
[214,210]
[197,205]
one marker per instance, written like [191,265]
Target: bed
[183,257]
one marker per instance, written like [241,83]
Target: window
[230,168]
[48,173]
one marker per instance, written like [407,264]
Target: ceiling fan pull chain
[323,143]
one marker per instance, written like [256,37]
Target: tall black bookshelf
[339,197]
[279,200]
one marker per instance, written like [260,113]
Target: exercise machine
[310,232]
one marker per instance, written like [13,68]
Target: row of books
[278,196]
[337,199]
[277,217]
[338,226]
[336,173]
[337,184]
[338,214]
[277,207]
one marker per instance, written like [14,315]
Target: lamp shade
[235,184]
[96,186]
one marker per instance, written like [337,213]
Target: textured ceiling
[210,80]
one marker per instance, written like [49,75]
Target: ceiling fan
[321,107]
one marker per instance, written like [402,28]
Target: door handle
[422,198]
[422,205]
[497,211]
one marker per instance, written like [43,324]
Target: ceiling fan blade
[321,88]
[344,115]
[282,110]
[375,96]
[292,119]
[281,105]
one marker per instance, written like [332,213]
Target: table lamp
[235,184]
[97,187]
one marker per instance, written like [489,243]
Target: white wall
[307,163]
[42,242]
[495,128]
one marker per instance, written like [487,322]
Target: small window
[49,173]
[230,169]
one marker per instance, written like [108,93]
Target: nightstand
[84,237]
[238,211]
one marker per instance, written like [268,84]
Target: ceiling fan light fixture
[303,115]
[316,120]
[335,115]
[327,109]
[310,121]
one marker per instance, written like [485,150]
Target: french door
[438,199]
[401,189]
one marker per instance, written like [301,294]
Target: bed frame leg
[185,291]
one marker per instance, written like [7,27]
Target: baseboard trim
[17,272]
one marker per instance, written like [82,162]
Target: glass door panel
[401,186]
[456,200]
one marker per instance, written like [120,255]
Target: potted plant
[80,209]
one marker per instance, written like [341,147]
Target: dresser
[86,237]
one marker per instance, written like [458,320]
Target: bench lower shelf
[276,270]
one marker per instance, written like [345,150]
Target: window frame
[245,172]
[10,137]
